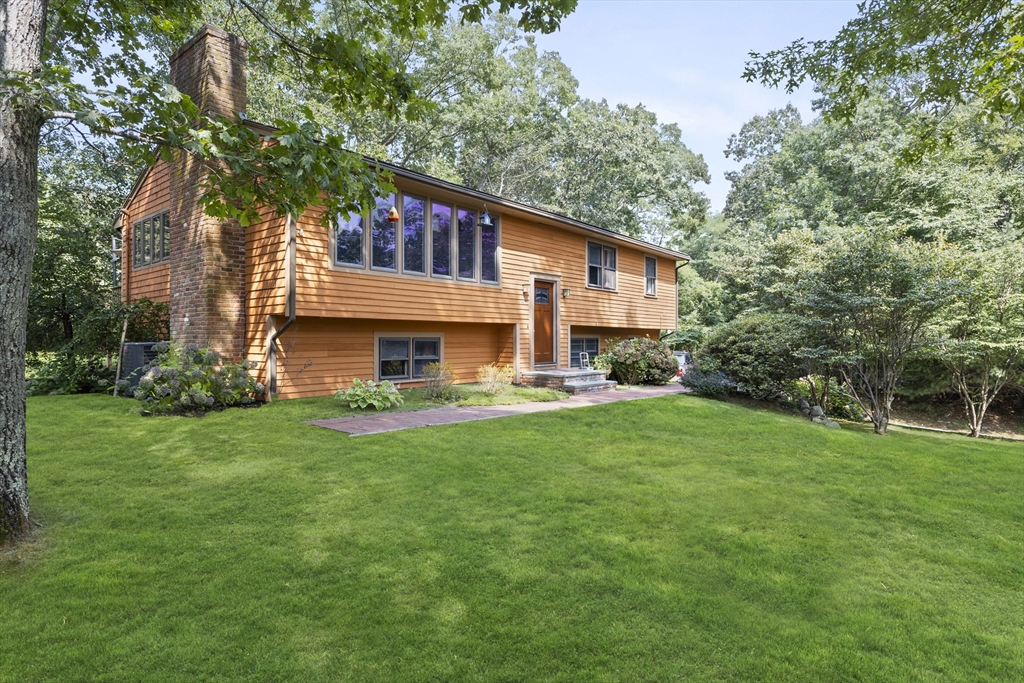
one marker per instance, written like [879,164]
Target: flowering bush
[640,360]
[495,378]
[187,379]
[369,393]
[440,379]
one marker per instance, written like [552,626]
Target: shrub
[369,393]
[494,379]
[440,378]
[87,362]
[190,380]
[639,361]
[756,351]
[707,383]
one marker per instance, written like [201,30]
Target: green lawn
[664,539]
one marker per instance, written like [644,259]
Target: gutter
[289,309]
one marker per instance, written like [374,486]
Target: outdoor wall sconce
[393,215]
[566,292]
[526,291]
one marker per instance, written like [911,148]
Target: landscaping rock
[824,421]
[816,411]
[804,406]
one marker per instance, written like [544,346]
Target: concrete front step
[595,387]
[556,378]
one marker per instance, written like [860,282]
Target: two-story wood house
[436,272]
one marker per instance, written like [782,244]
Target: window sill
[143,266]
[602,289]
[405,275]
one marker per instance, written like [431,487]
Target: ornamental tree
[980,336]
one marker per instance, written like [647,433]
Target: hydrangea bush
[640,360]
[189,380]
[370,394]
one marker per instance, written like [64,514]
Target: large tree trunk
[22,25]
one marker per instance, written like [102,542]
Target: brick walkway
[361,425]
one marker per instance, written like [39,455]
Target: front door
[544,322]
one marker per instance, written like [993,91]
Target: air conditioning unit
[135,356]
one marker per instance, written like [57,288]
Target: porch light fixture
[526,291]
[485,219]
[566,292]
[393,215]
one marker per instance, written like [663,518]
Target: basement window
[406,357]
[578,345]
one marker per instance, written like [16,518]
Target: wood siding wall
[526,248]
[318,356]
[153,196]
[340,309]
[265,285]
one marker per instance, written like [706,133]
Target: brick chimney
[207,255]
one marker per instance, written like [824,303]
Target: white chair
[584,360]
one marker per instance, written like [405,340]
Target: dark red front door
[543,322]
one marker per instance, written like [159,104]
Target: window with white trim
[405,357]
[578,345]
[651,275]
[601,266]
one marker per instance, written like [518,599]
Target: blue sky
[683,60]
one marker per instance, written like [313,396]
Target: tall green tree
[80,188]
[980,335]
[503,117]
[869,302]
[946,53]
[91,64]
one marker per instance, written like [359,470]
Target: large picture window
[383,235]
[348,241]
[414,239]
[489,253]
[467,245]
[406,357]
[651,276]
[441,235]
[430,239]
[151,239]
[601,266]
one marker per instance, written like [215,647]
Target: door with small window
[544,322]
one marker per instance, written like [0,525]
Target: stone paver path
[361,425]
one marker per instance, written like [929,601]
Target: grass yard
[664,539]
